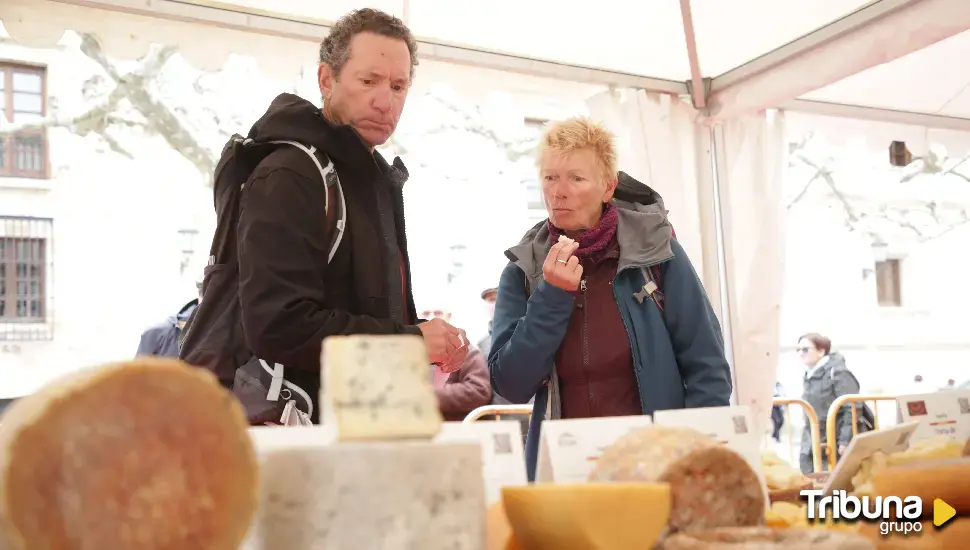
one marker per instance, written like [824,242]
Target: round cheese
[146,455]
[711,486]
[763,538]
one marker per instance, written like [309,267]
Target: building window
[23,153]
[25,245]
[888,288]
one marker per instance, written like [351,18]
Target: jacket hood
[184,313]
[292,118]
[643,232]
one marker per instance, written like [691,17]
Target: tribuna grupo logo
[894,514]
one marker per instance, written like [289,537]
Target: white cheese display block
[378,388]
[405,495]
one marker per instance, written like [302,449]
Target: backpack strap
[330,178]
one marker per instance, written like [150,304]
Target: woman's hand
[561,269]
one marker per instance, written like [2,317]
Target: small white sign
[568,449]
[731,426]
[944,413]
[503,456]
[861,447]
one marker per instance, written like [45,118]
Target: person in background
[777,414]
[583,321]
[826,379]
[162,340]
[464,390]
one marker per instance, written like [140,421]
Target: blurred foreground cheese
[711,486]
[378,388]
[402,495]
[146,455]
[593,516]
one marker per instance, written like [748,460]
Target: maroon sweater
[594,362]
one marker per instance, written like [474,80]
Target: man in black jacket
[291,297]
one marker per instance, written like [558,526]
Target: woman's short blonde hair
[576,133]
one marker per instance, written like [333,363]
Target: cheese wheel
[146,455]
[711,485]
[948,480]
[764,538]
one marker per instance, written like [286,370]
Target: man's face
[370,91]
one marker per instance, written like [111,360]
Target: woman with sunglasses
[826,379]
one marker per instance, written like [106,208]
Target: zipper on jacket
[629,336]
[589,385]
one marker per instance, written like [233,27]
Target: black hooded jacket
[290,297]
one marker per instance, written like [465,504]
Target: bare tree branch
[159,118]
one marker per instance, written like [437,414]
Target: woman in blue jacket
[600,312]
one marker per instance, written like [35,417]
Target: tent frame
[705,92]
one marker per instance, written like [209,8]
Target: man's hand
[447,346]
[561,269]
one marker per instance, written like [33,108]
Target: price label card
[503,456]
[943,413]
[568,449]
[731,426]
[863,446]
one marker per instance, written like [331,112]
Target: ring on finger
[561,261]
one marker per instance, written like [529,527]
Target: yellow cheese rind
[378,388]
[593,516]
[151,454]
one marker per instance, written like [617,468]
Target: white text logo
[894,514]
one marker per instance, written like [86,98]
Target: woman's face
[808,353]
[574,189]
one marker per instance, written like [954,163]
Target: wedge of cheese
[594,516]
[711,486]
[367,495]
[150,454]
[378,388]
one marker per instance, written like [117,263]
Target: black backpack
[213,336]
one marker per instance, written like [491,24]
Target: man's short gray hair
[335,48]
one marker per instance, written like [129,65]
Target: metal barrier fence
[813,426]
[853,400]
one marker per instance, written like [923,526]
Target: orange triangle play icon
[942,512]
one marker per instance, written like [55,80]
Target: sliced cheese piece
[593,516]
[948,480]
[370,495]
[378,388]
[711,485]
[764,538]
[150,454]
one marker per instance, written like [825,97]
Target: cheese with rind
[711,485]
[378,388]
[399,495]
[151,454]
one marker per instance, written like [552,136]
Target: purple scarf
[595,242]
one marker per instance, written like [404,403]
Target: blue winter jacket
[678,353]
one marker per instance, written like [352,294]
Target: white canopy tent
[695,125]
